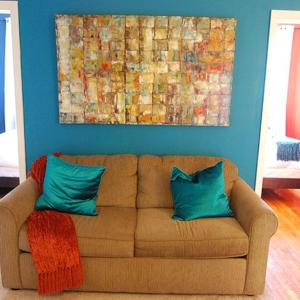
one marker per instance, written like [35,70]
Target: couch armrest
[260,223]
[15,208]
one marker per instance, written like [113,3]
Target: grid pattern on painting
[145,69]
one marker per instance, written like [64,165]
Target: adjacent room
[282,167]
[149,150]
[9,171]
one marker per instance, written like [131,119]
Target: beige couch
[134,246]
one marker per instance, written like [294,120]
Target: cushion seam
[109,240]
[181,241]
[114,240]
[198,257]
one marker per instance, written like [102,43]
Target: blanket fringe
[57,281]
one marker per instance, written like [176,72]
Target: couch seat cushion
[110,234]
[157,235]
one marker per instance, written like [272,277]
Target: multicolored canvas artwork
[164,70]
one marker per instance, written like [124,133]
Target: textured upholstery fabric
[154,275]
[14,210]
[119,182]
[110,234]
[115,230]
[157,235]
[155,172]
[260,223]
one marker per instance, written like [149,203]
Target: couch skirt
[153,275]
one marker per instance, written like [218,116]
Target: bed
[282,164]
[9,171]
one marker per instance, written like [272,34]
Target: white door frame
[12,8]
[277,17]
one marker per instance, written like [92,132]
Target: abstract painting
[158,70]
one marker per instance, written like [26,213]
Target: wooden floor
[283,275]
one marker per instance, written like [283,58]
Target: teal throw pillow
[70,187]
[199,195]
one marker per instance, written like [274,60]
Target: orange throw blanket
[53,242]
[38,170]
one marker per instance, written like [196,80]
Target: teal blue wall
[239,142]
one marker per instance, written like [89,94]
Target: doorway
[12,145]
[279,148]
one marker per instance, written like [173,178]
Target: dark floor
[4,191]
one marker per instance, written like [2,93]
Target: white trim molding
[277,17]
[12,8]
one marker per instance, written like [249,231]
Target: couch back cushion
[154,176]
[118,185]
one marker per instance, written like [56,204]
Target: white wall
[9,85]
[280,79]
